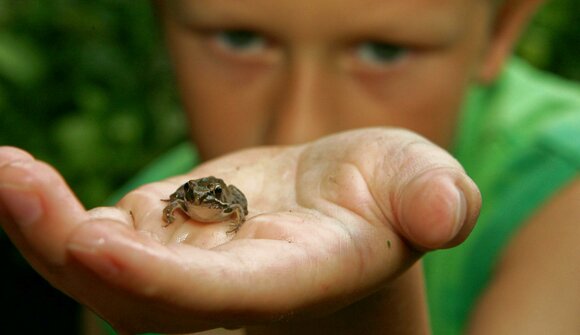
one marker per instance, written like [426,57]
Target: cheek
[434,107]
[427,98]
[224,111]
[424,96]
[220,121]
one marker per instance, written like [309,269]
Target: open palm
[329,222]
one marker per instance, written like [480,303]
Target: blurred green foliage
[86,85]
[552,41]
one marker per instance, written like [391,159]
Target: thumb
[438,208]
[429,198]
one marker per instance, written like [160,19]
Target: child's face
[257,72]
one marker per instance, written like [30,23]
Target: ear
[511,18]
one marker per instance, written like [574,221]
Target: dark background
[86,86]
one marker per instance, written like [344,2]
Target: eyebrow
[434,24]
[208,11]
[424,25]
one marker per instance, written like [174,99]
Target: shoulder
[529,136]
[535,287]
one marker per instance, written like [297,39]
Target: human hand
[330,222]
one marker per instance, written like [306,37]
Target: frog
[208,199]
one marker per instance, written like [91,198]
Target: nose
[302,106]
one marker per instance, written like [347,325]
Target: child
[259,72]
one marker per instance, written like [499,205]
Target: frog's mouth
[207,200]
[211,213]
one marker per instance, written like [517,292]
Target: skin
[375,210]
[293,258]
[309,78]
[535,290]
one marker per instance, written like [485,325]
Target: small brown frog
[208,199]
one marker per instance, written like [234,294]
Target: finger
[139,264]
[152,283]
[39,208]
[11,154]
[202,283]
[431,200]
[396,178]
[249,279]
[438,208]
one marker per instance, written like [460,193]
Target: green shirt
[519,139]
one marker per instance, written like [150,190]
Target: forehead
[427,17]
[303,10]
[328,6]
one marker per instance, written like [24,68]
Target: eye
[217,191]
[380,53]
[240,41]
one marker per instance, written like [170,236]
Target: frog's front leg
[171,207]
[238,211]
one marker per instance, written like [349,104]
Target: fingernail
[460,213]
[23,207]
[433,210]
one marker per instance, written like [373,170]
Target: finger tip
[37,210]
[9,154]
[439,210]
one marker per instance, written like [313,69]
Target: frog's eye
[217,191]
[186,187]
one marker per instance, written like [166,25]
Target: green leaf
[20,61]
